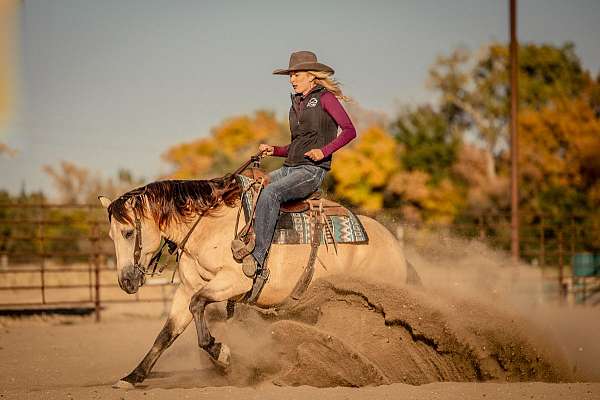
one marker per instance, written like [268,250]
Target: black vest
[311,128]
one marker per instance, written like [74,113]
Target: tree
[560,167]
[483,194]
[362,170]
[474,88]
[78,185]
[428,142]
[231,142]
[70,181]
[5,149]
[420,199]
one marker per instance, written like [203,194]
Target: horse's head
[136,238]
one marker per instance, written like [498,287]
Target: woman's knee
[270,193]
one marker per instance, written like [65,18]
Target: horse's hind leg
[218,352]
[223,287]
[179,318]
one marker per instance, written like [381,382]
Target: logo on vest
[312,102]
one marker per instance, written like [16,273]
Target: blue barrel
[584,264]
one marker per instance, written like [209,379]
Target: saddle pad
[295,228]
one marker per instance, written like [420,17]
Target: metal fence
[55,256]
[549,242]
[60,255]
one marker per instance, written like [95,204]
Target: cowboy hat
[303,61]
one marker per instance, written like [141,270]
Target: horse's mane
[175,200]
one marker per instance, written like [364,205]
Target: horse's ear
[105,201]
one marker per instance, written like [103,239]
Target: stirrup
[241,250]
[261,278]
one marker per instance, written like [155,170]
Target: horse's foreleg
[178,319]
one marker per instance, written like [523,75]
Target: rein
[172,246]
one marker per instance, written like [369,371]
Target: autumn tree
[6,150]
[560,166]
[474,88]
[75,184]
[362,170]
[230,143]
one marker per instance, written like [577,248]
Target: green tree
[474,88]
[428,142]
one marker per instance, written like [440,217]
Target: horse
[202,214]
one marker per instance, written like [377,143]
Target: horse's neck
[207,230]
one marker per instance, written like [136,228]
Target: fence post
[42,250]
[561,266]
[95,258]
[542,248]
[481,227]
[574,236]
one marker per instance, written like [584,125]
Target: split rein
[172,246]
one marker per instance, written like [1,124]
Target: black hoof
[220,355]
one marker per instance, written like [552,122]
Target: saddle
[314,220]
[314,200]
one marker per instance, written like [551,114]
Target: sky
[114,83]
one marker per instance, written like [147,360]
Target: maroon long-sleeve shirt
[332,106]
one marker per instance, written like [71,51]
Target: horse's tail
[412,276]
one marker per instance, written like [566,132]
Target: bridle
[172,246]
[137,247]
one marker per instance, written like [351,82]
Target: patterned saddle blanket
[298,227]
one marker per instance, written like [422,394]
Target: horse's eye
[127,234]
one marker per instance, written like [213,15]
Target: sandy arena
[457,337]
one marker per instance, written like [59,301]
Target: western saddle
[315,200]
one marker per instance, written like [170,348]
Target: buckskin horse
[199,216]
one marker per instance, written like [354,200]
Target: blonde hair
[324,79]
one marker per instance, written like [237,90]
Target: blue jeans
[286,183]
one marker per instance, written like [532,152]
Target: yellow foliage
[435,204]
[370,168]
[443,203]
[410,185]
[362,171]
[559,146]
[230,143]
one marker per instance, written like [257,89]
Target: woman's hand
[267,150]
[314,154]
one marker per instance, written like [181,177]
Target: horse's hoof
[123,385]
[224,359]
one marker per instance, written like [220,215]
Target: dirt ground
[346,339]
[476,329]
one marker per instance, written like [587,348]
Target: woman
[315,116]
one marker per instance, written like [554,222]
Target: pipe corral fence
[60,256]
[56,258]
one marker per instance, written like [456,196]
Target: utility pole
[514,137]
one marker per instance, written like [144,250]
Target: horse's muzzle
[130,279]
